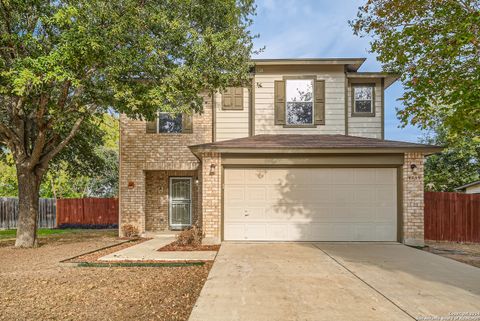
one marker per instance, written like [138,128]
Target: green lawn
[9,234]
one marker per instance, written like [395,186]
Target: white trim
[170,202]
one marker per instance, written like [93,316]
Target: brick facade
[413,204]
[142,153]
[211,197]
[156,198]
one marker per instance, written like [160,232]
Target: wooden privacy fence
[452,217]
[87,211]
[9,212]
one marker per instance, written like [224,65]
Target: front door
[180,202]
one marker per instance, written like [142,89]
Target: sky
[319,29]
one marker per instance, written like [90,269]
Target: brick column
[132,198]
[211,180]
[413,204]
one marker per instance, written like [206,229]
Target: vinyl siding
[231,124]
[334,100]
[370,127]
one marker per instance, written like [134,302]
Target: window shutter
[279,93]
[187,123]
[152,126]
[320,102]
[238,98]
[232,98]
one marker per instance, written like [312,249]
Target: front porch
[171,200]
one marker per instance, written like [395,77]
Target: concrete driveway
[336,281]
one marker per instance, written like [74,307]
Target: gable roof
[467,185]
[298,143]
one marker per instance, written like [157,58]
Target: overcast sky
[319,28]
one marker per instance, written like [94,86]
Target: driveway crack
[365,282]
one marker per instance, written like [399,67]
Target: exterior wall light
[414,168]
[212,169]
[196,180]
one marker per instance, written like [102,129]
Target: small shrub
[130,230]
[191,236]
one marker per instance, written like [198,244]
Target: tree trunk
[28,197]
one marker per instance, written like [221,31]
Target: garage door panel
[364,176]
[343,176]
[235,193]
[255,193]
[255,176]
[235,176]
[327,204]
[364,194]
[385,176]
[342,195]
[385,197]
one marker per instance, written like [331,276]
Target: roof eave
[353,64]
[197,149]
[390,78]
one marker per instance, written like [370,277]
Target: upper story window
[169,124]
[363,98]
[299,101]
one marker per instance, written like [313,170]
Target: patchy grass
[7,234]
[7,237]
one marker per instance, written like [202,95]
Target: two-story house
[298,155]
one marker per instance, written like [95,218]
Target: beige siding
[473,189]
[231,124]
[334,77]
[370,127]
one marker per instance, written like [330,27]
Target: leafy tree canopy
[458,164]
[64,62]
[434,45]
[80,170]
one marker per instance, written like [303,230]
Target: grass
[10,234]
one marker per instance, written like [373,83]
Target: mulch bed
[175,246]
[95,255]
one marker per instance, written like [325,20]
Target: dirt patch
[175,246]
[465,253]
[36,287]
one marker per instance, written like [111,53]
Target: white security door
[180,202]
[316,204]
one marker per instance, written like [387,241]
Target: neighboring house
[298,155]
[472,188]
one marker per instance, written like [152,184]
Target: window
[169,124]
[363,100]
[299,101]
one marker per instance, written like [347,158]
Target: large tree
[435,46]
[64,61]
[458,164]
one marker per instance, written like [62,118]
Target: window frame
[355,113]
[313,79]
[167,133]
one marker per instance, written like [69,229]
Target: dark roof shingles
[310,142]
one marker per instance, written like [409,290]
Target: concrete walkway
[147,251]
[340,281]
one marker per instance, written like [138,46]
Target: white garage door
[306,204]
